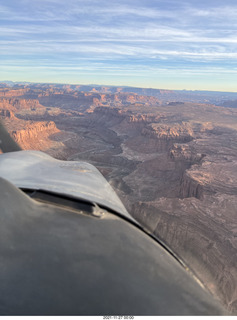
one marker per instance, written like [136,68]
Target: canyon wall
[16,104]
[6,92]
[35,136]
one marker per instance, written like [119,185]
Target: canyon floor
[173,165]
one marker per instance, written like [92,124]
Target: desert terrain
[173,163]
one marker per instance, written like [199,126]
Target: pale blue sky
[185,44]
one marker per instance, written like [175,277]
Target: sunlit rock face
[173,165]
[34,136]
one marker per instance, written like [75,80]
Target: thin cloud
[222,12]
[137,33]
[118,49]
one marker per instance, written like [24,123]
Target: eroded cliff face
[35,136]
[16,104]
[6,92]
[176,132]
[190,187]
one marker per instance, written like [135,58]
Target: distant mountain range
[227,99]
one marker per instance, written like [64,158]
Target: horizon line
[113,86]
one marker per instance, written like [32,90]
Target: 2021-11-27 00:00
[118,317]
